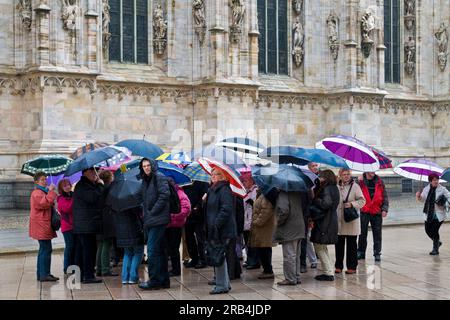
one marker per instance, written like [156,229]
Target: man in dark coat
[88,203]
[156,195]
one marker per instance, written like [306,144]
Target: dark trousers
[173,237]
[44,259]
[352,255]
[252,253]
[376,223]
[233,263]
[158,268]
[195,240]
[87,247]
[69,249]
[432,229]
[265,257]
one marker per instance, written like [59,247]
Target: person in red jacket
[65,203]
[373,212]
[174,229]
[41,202]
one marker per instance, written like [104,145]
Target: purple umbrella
[55,179]
[418,169]
[358,155]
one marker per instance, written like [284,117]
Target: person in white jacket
[437,201]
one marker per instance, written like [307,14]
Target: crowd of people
[335,211]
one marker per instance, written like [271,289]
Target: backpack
[175,205]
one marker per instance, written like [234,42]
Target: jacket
[178,220]
[356,198]
[195,193]
[263,224]
[88,202]
[41,204]
[65,209]
[108,230]
[441,212]
[379,202]
[289,215]
[128,227]
[249,199]
[325,230]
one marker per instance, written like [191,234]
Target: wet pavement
[407,271]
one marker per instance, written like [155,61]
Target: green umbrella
[52,165]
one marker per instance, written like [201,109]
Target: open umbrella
[244,145]
[175,158]
[116,161]
[284,154]
[51,165]
[178,175]
[141,148]
[358,155]
[223,155]
[92,159]
[86,148]
[446,175]
[55,179]
[385,162]
[125,191]
[196,172]
[232,175]
[322,156]
[281,176]
[418,169]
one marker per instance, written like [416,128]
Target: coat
[41,204]
[263,224]
[249,200]
[379,202]
[289,215]
[195,193]
[156,195]
[88,202]
[129,228]
[240,214]
[325,230]
[178,220]
[356,198]
[65,209]
[220,212]
[441,212]
[108,230]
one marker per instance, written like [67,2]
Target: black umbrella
[284,177]
[126,191]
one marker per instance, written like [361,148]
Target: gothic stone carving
[237,16]
[410,55]
[159,30]
[442,41]
[333,34]
[367,27]
[25,12]
[298,42]
[106,18]
[298,6]
[69,15]
[410,14]
[198,10]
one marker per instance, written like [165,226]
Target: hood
[153,163]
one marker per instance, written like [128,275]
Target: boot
[435,251]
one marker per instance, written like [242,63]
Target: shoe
[201,265]
[324,277]
[216,291]
[133,282]
[93,280]
[244,265]
[148,286]
[377,258]
[252,267]
[286,283]
[98,274]
[212,282]
[436,245]
[110,274]
[313,265]
[52,276]
[263,276]
[125,281]
[350,271]
[48,279]
[303,269]
[190,264]
[174,274]
[338,270]
[361,256]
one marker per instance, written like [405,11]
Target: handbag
[441,201]
[350,214]
[55,220]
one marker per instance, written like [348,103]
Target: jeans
[104,256]
[173,236]
[44,259]
[69,249]
[376,222]
[291,260]
[131,261]
[195,240]
[265,257]
[87,252]
[432,229]
[352,252]
[157,256]
[324,256]
[221,274]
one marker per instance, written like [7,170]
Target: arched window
[272,42]
[392,41]
[129,31]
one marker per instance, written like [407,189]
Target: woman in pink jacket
[174,229]
[41,202]
[65,202]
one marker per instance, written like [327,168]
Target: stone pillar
[93,53]
[42,34]
[217,33]
[350,43]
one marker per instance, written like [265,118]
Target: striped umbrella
[223,155]
[284,155]
[116,161]
[418,169]
[197,173]
[175,158]
[86,148]
[385,162]
[244,145]
[358,155]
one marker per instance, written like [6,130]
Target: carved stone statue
[298,6]
[410,15]
[26,14]
[106,18]
[159,30]
[237,16]
[298,41]
[410,55]
[198,10]
[367,27]
[442,40]
[69,14]
[333,34]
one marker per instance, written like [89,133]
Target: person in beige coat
[348,232]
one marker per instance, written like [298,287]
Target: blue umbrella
[223,155]
[197,173]
[126,191]
[322,156]
[284,177]
[446,175]
[141,148]
[177,174]
[91,159]
[284,154]
[245,145]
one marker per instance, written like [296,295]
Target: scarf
[42,188]
[429,208]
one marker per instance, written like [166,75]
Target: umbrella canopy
[55,179]
[446,175]
[86,148]
[284,177]
[92,159]
[322,156]
[196,172]
[245,145]
[141,148]
[223,155]
[126,191]
[418,169]
[232,175]
[49,164]
[178,175]
[116,161]
[284,154]
[385,162]
[358,155]
[175,158]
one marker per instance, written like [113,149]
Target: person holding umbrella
[436,199]
[41,205]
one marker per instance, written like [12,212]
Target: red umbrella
[232,176]
[385,162]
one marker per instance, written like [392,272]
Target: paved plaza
[406,272]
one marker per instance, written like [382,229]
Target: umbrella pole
[51,177]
